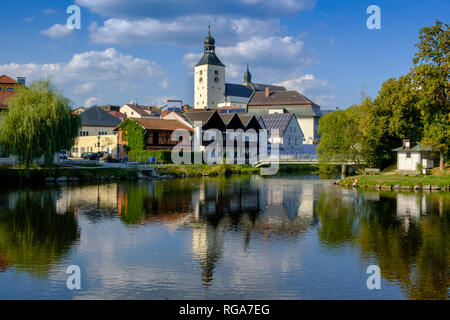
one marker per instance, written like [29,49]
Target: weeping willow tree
[39,123]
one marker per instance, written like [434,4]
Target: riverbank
[17,175]
[199,170]
[398,182]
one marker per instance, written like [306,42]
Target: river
[223,238]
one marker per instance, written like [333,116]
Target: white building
[140,112]
[411,154]
[283,130]
[210,89]
[209,78]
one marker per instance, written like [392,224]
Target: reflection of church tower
[209,78]
[306,207]
[207,246]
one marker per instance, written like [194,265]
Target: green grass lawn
[397,179]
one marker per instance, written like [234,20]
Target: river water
[223,238]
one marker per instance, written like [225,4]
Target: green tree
[133,134]
[342,137]
[393,116]
[430,76]
[39,123]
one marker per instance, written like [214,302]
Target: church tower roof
[209,56]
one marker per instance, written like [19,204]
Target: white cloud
[91,102]
[49,11]
[187,30]
[167,9]
[271,58]
[58,31]
[318,90]
[110,73]
[28,19]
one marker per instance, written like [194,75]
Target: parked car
[85,155]
[96,155]
[63,155]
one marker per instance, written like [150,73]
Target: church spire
[209,42]
[247,76]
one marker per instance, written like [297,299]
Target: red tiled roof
[7,80]
[161,124]
[118,114]
[4,97]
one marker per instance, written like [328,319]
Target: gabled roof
[232,121]
[245,118]
[97,117]
[417,148]
[117,114]
[4,98]
[249,121]
[202,116]
[4,79]
[139,110]
[282,98]
[209,119]
[277,121]
[161,124]
[226,118]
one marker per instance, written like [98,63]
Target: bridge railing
[290,157]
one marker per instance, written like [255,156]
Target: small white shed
[411,154]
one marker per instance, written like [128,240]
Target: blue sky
[144,50]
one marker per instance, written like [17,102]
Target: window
[216,72]
[217,79]
[10,89]
[1,89]
[408,155]
[201,72]
[201,79]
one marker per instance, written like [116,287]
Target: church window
[216,72]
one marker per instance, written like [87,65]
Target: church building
[211,91]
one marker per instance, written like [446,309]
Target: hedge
[161,156]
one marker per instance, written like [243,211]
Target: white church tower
[209,78]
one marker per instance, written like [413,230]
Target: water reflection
[33,234]
[406,234]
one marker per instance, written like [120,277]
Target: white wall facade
[405,162]
[308,126]
[209,92]
[293,136]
